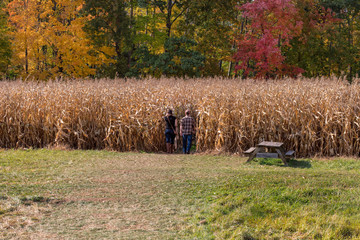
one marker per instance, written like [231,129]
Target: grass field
[53,194]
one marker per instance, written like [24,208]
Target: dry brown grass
[312,116]
[17,220]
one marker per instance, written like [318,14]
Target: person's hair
[187,112]
[169,111]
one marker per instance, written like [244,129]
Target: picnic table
[277,146]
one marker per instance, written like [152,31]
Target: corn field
[311,116]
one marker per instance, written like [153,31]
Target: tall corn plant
[311,116]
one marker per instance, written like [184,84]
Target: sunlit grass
[311,200]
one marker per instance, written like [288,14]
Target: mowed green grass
[54,194]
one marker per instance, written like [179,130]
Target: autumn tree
[109,38]
[5,47]
[49,40]
[272,24]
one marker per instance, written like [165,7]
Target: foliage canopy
[44,39]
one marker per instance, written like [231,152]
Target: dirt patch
[19,218]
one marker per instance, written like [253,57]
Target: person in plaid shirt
[187,129]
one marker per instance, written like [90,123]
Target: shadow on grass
[292,162]
[299,163]
[38,199]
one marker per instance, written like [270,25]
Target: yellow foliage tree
[49,41]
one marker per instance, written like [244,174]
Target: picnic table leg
[256,151]
[282,155]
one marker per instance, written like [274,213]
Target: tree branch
[181,13]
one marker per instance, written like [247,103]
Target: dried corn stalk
[312,116]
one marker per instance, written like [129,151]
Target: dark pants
[170,136]
[187,143]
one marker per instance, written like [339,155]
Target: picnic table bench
[258,151]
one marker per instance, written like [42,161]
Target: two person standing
[187,129]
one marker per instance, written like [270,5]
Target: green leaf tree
[179,60]
[214,24]
[170,10]
[346,40]
[315,50]
[158,20]
[110,26]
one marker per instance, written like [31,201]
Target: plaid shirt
[188,125]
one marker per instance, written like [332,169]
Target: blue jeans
[186,143]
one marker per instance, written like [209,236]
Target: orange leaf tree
[5,51]
[49,40]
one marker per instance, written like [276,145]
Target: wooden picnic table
[277,146]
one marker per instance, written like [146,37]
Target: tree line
[47,39]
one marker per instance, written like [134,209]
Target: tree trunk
[26,43]
[26,59]
[168,17]
[132,31]
[230,68]
[146,24]
[242,30]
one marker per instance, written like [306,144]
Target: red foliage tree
[273,23]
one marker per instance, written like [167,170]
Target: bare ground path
[103,195]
